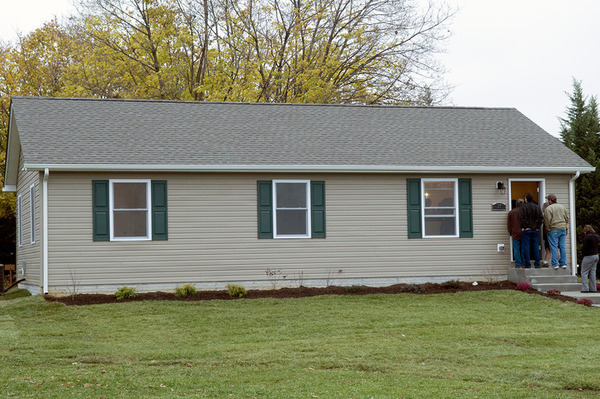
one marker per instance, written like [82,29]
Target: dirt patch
[299,292]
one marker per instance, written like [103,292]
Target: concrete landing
[594,296]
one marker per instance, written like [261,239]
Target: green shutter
[159,210]
[100,210]
[413,194]
[465,208]
[317,209]
[265,208]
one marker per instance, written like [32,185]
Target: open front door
[517,188]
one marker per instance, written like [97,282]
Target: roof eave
[305,168]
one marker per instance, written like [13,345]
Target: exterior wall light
[500,186]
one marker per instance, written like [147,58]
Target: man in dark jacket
[531,218]
[514,229]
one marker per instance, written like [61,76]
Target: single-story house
[157,194]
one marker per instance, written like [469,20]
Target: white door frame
[542,194]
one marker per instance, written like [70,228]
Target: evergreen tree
[580,131]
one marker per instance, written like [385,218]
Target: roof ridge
[240,103]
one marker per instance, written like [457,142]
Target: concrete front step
[561,283]
[526,275]
[545,278]
[552,279]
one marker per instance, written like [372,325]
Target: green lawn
[489,344]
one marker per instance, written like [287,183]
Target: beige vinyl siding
[29,253]
[212,221]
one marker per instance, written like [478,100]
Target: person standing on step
[556,219]
[531,218]
[590,259]
[514,229]
[547,257]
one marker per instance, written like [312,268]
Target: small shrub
[585,301]
[523,286]
[125,293]
[451,284]
[186,290]
[236,290]
[553,292]
[412,288]
[353,289]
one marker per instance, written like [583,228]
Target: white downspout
[572,222]
[45,230]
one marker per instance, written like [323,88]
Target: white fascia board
[9,189]
[303,168]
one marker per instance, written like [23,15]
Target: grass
[14,293]
[489,344]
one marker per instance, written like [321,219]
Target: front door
[517,189]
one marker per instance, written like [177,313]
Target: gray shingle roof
[169,134]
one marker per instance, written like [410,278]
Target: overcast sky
[511,53]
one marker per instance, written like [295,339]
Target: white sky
[510,53]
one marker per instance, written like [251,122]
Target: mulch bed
[299,292]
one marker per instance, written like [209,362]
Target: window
[291,209]
[20,220]
[32,206]
[128,210]
[291,216]
[439,207]
[130,215]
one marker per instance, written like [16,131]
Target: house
[157,194]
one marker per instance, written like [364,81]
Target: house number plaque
[498,206]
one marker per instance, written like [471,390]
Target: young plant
[274,275]
[354,289]
[73,287]
[125,293]
[236,290]
[412,288]
[451,284]
[186,290]
[523,287]
[553,292]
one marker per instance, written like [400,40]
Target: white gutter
[45,230]
[301,168]
[572,223]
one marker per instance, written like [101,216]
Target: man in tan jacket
[556,219]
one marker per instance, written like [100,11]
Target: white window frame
[20,220]
[308,207]
[148,209]
[32,221]
[456,212]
